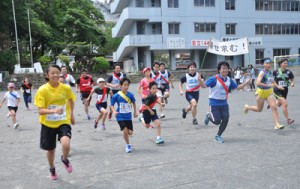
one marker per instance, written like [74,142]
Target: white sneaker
[16,125]
[162,116]
[8,115]
[128,148]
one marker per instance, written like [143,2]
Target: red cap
[146,69]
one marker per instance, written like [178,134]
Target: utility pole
[16,32]
[30,40]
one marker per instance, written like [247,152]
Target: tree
[112,44]
[7,60]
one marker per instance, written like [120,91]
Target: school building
[178,31]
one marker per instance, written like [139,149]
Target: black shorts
[102,105]
[13,108]
[125,124]
[84,95]
[189,96]
[148,117]
[165,89]
[279,93]
[48,136]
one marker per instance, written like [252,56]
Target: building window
[259,55]
[139,3]
[174,28]
[205,27]
[281,52]
[204,3]
[155,3]
[275,5]
[277,29]
[229,4]
[230,29]
[173,4]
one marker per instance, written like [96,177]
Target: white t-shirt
[12,98]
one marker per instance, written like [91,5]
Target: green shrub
[8,60]
[44,60]
[100,64]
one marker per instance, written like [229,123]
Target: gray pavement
[254,155]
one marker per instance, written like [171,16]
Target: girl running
[284,78]
[55,102]
[26,90]
[265,84]
[13,100]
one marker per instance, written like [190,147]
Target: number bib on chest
[56,117]
[27,90]
[125,108]
[282,83]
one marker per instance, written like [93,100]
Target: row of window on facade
[266,5]
[260,53]
[260,29]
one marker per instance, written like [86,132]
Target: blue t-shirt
[124,108]
[211,82]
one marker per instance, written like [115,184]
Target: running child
[102,95]
[55,102]
[13,100]
[265,84]
[26,90]
[113,81]
[219,86]
[166,79]
[85,85]
[284,78]
[192,80]
[149,113]
[123,114]
[157,77]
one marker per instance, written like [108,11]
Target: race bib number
[270,80]
[282,83]
[125,108]
[27,90]
[56,117]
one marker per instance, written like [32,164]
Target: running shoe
[219,139]
[109,115]
[166,100]
[128,148]
[195,122]
[206,120]
[268,106]
[278,126]
[8,115]
[53,174]
[16,125]
[95,124]
[159,141]
[103,127]
[245,110]
[184,113]
[88,117]
[162,116]
[27,109]
[151,126]
[141,117]
[290,121]
[67,165]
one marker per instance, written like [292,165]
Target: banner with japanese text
[228,48]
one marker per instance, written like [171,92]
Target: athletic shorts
[48,136]
[148,117]
[165,89]
[102,105]
[264,93]
[13,108]
[281,94]
[84,95]
[192,95]
[125,124]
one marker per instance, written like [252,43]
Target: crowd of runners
[55,100]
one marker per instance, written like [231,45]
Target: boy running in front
[102,94]
[149,113]
[123,114]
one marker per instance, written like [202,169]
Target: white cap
[100,80]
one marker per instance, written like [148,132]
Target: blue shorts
[102,105]
[165,89]
[148,117]
[192,95]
